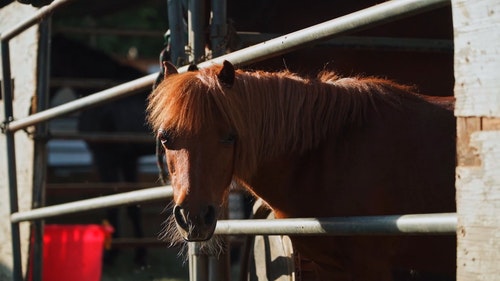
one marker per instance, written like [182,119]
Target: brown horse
[312,147]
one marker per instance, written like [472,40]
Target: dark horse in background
[326,146]
[114,161]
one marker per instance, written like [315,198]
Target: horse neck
[292,115]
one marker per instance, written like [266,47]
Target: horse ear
[226,74]
[192,67]
[168,69]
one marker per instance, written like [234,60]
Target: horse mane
[272,113]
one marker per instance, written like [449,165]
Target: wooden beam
[477,92]
[478,209]
[467,156]
[465,127]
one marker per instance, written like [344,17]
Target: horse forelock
[180,104]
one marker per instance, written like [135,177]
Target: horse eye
[164,136]
[229,139]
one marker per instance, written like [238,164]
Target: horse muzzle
[196,227]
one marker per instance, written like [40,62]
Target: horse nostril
[195,226]
[180,217]
[209,216]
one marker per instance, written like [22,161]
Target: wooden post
[477,91]
[23,58]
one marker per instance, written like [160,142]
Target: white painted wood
[23,50]
[478,199]
[477,91]
[477,49]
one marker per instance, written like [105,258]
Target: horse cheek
[178,176]
[225,170]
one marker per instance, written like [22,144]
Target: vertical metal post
[41,132]
[218,27]
[198,263]
[196,30]
[177,28]
[11,159]
[219,266]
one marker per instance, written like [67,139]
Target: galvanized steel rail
[124,198]
[443,223]
[95,99]
[417,224]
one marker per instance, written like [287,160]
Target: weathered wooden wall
[477,90]
[23,56]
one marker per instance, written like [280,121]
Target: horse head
[200,161]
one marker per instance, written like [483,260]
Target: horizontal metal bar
[85,102]
[444,223]
[419,224]
[125,198]
[32,20]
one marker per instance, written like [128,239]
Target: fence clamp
[5,124]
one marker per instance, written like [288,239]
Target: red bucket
[73,252]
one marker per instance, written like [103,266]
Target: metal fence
[382,13]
